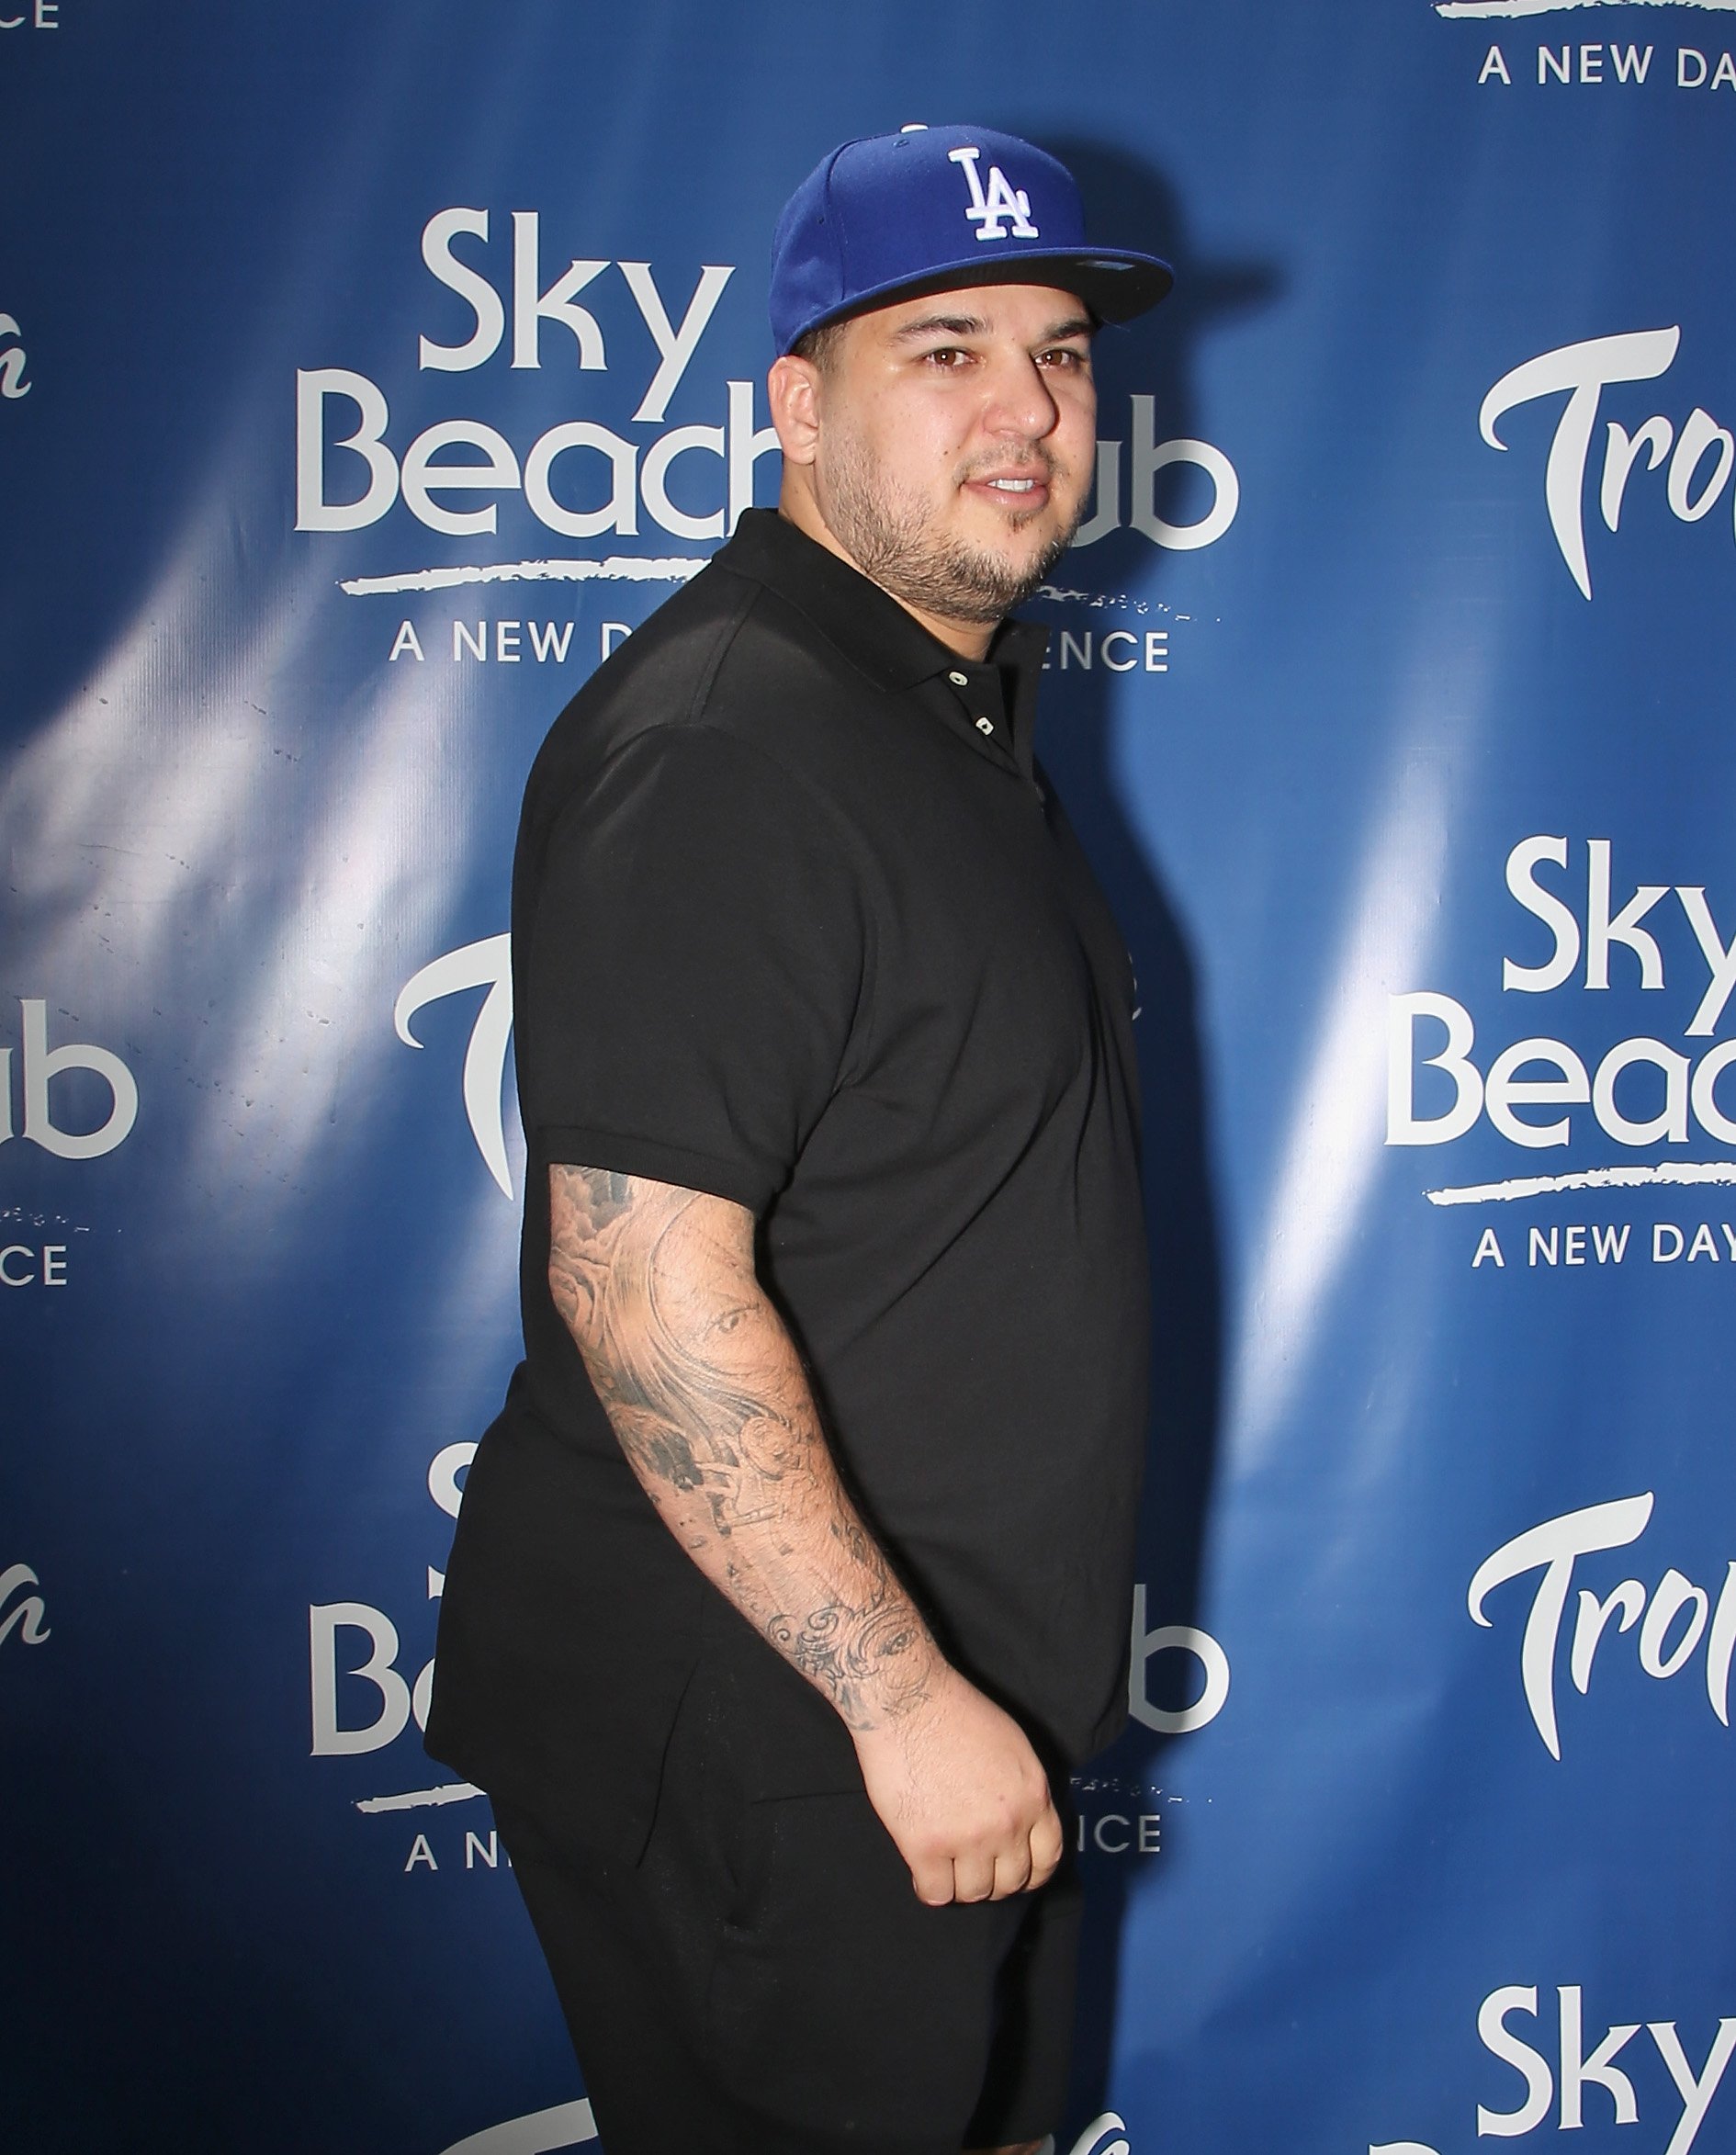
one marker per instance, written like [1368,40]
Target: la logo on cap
[1002,200]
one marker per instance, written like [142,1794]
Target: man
[832,1250]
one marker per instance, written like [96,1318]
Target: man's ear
[793,392]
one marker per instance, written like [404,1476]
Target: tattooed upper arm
[709,1401]
[612,1236]
[656,1285]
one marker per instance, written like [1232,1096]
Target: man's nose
[1019,400]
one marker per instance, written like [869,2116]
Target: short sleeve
[688,961]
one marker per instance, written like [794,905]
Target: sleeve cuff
[571,1146]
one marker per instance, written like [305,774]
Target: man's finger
[1046,1843]
[1012,1871]
[975,1878]
[933,1881]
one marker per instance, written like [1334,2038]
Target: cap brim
[1115,285]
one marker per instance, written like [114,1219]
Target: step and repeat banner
[368,374]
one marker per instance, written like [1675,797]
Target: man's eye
[948,358]
[1063,357]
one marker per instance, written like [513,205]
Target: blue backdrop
[365,373]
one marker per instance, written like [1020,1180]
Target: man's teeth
[1013,486]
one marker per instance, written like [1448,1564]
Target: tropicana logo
[488,964]
[1678,1615]
[13,361]
[1584,371]
[27,1615]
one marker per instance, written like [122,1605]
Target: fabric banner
[366,375]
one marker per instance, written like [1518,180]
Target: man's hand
[956,1784]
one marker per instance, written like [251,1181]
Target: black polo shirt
[797,922]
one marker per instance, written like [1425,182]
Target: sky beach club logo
[1532,1092]
[582,479]
[40,1065]
[1564,2061]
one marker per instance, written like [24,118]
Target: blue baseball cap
[931,209]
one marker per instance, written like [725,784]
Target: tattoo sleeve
[708,1398]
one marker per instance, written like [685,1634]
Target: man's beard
[889,540]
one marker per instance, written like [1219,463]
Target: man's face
[956,444]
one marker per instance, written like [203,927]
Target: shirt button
[985,725]
[959,680]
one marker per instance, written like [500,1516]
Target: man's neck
[970,639]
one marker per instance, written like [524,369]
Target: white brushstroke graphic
[1674,1173]
[421,1798]
[1489,10]
[614,569]
[540,2133]
[1056,595]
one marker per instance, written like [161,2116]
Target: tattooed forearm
[709,1401]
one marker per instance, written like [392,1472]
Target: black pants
[764,1981]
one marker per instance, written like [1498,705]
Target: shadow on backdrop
[1128,201]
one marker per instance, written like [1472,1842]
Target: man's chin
[986,598]
[1025,568]
[1029,544]
[976,575]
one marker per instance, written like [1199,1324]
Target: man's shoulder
[727,653]
[660,674]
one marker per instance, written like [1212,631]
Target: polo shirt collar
[866,624]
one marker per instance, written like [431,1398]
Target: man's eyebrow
[953,325]
[974,325]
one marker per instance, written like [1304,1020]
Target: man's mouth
[1018,490]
